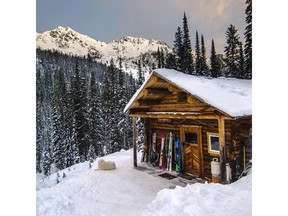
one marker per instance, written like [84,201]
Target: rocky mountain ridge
[130,49]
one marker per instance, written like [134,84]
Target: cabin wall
[164,126]
[241,148]
[237,134]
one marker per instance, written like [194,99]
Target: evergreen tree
[248,41]
[204,66]
[68,121]
[171,61]
[110,133]
[39,131]
[241,70]
[71,150]
[57,135]
[198,56]
[79,95]
[91,153]
[159,65]
[47,161]
[95,114]
[232,52]
[178,48]
[187,61]
[121,101]
[215,68]
[140,74]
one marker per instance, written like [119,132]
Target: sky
[151,19]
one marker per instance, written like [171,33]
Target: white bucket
[215,167]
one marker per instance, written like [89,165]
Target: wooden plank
[221,128]
[192,100]
[155,92]
[145,103]
[134,141]
[173,88]
[175,115]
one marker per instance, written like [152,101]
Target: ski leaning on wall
[169,155]
[178,156]
[161,162]
[154,155]
[149,146]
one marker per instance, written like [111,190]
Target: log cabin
[211,116]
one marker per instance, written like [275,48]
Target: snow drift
[128,191]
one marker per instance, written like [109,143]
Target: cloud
[212,13]
[212,18]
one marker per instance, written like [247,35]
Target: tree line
[79,109]
[236,61]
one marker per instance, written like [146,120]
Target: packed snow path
[124,191]
[128,191]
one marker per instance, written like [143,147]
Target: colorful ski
[169,157]
[149,146]
[161,162]
[154,155]
[178,156]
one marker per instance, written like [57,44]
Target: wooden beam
[134,141]
[175,115]
[158,79]
[221,128]
[193,100]
[155,92]
[145,103]
[173,88]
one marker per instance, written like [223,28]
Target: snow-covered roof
[230,95]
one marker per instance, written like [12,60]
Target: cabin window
[182,96]
[191,137]
[213,143]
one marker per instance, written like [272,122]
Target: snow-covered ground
[127,191]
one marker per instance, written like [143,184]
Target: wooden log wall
[236,131]
[241,136]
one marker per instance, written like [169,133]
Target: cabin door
[191,137]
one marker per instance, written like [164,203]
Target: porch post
[221,128]
[134,141]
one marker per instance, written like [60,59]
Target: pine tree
[248,41]
[178,48]
[121,101]
[159,65]
[232,51]
[140,74]
[79,95]
[57,135]
[95,114]
[91,153]
[204,65]
[241,69]
[171,61]
[215,68]
[198,56]
[187,61]
[47,161]
[39,131]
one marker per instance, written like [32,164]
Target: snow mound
[205,199]
[126,191]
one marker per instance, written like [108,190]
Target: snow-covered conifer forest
[79,110]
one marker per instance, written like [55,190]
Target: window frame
[211,151]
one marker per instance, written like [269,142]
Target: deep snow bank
[205,199]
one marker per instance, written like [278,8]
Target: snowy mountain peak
[68,41]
